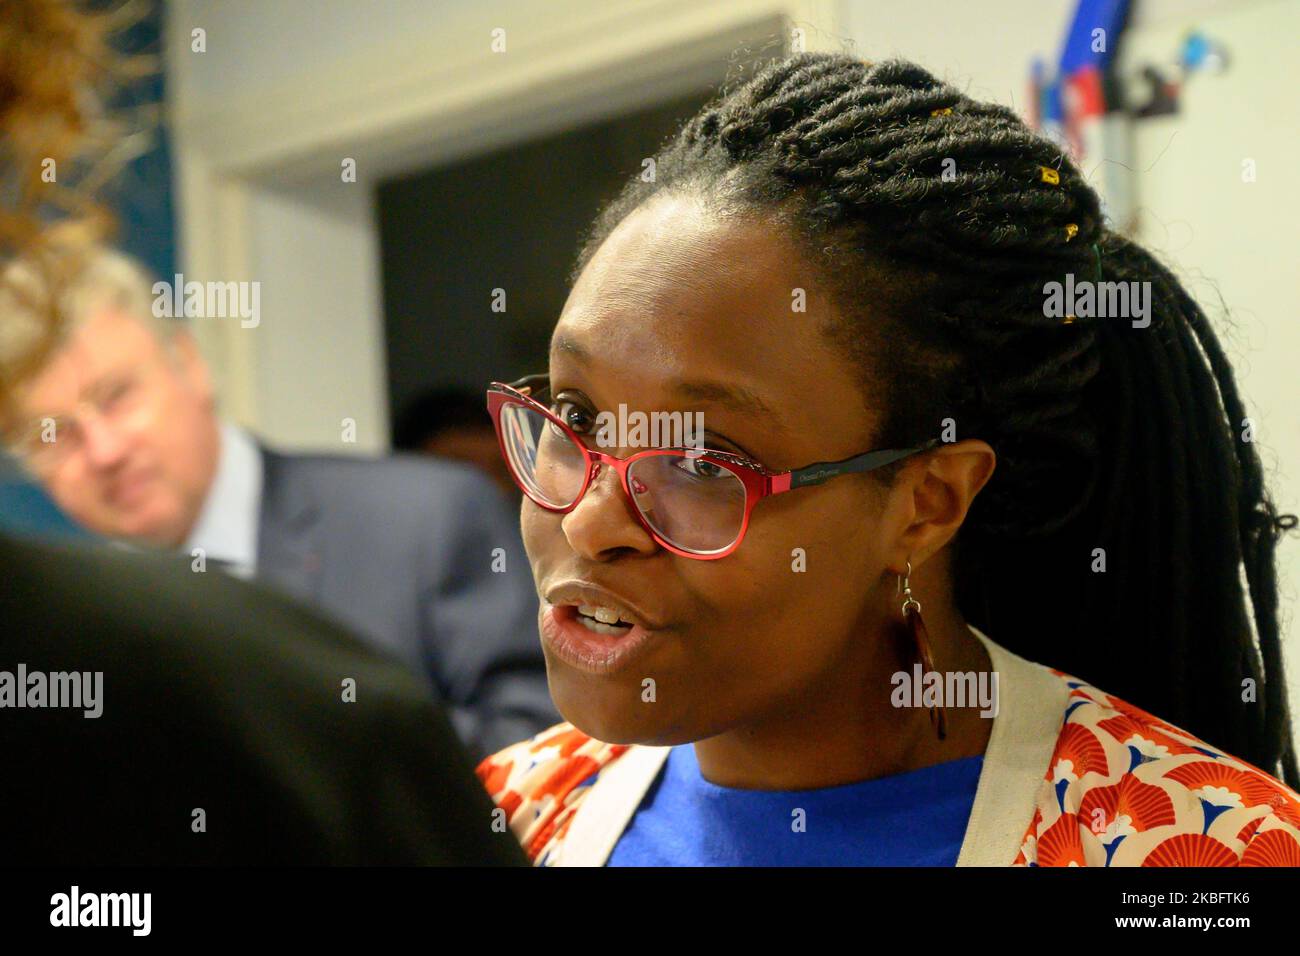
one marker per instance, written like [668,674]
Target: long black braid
[936,220]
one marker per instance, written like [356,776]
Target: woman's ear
[935,492]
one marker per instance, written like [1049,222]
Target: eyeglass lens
[694,504]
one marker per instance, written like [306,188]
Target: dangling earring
[921,640]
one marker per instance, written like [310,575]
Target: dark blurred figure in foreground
[234,727]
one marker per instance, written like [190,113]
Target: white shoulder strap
[1031,704]
[605,811]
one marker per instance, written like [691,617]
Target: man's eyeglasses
[694,502]
[45,444]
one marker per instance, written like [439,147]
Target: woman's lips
[600,654]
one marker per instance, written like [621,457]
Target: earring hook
[904,588]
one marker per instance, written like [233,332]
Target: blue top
[916,818]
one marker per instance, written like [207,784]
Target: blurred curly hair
[58,147]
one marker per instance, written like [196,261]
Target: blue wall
[142,195]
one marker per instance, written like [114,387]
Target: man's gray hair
[95,280]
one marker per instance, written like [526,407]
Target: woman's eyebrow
[735,397]
[569,346]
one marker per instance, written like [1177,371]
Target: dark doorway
[508,220]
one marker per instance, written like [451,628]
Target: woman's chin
[613,718]
[612,727]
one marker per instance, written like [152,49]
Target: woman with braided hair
[844,268]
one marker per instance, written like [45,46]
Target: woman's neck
[844,729]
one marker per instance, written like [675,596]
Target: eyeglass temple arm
[531,384]
[825,470]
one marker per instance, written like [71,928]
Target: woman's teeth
[602,620]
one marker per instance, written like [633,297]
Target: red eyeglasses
[694,502]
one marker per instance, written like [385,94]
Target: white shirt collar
[227,525]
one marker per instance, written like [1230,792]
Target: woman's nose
[604,523]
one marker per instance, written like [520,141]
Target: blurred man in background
[120,426]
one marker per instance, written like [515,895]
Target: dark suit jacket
[223,697]
[402,550]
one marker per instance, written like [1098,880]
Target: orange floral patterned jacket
[1120,788]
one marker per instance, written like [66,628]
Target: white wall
[982,48]
[1234,243]
[320,358]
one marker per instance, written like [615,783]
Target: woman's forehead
[737,353]
[680,306]
[676,246]
[742,334]
[672,276]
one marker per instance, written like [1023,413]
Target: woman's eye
[575,416]
[699,468]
